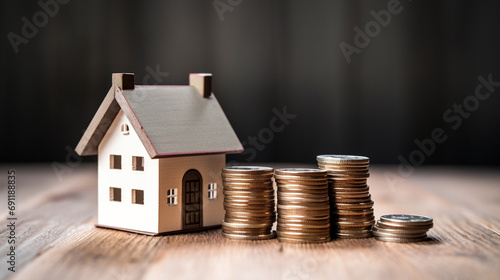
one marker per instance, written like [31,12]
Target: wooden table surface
[56,237]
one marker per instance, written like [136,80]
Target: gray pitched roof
[170,121]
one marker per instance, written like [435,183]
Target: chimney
[123,80]
[202,82]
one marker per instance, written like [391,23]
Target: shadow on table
[370,242]
[430,241]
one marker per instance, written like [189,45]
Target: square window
[212,191]
[115,194]
[138,196]
[138,163]
[171,197]
[115,162]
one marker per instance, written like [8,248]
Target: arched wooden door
[192,199]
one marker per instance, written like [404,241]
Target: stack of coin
[303,205]
[402,228]
[249,203]
[350,199]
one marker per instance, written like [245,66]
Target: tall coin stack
[249,203]
[350,199]
[402,228]
[303,205]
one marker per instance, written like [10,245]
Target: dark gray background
[263,55]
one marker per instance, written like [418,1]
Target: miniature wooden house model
[160,152]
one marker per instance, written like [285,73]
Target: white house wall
[124,214]
[172,171]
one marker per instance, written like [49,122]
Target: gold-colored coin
[303,195]
[246,232]
[265,183]
[313,189]
[400,240]
[364,199]
[364,188]
[355,223]
[355,231]
[303,205]
[353,236]
[229,176]
[361,212]
[380,234]
[350,199]
[354,218]
[279,177]
[304,223]
[249,237]
[297,234]
[269,199]
[249,221]
[243,225]
[291,199]
[304,213]
[249,202]
[304,184]
[247,193]
[300,241]
[348,176]
[308,230]
[324,225]
[343,184]
[247,170]
[343,168]
[354,206]
[302,217]
[300,171]
[245,177]
[383,224]
[241,212]
[352,229]
[403,231]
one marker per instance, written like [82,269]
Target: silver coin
[341,158]
[405,218]
[300,171]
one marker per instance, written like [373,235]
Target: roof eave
[102,120]
[165,155]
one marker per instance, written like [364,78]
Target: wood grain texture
[57,238]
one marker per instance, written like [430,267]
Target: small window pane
[212,191]
[138,163]
[115,194]
[138,196]
[171,197]
[115,161]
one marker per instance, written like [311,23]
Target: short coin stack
[249,203]
[402,228]
[350,199]
[303,205]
